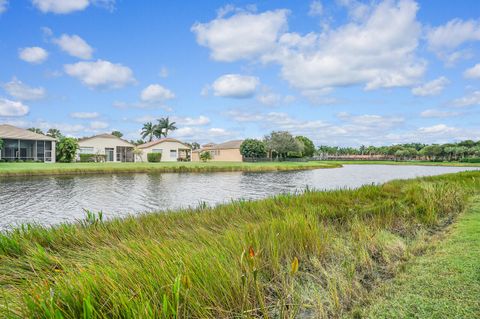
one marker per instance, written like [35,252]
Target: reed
[316,254]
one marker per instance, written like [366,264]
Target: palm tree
[164,125]
[148,130]
[35,130]
[55,133]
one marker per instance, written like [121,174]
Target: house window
[173,153]
[86,150]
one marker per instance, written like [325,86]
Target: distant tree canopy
[67,149]
[195,146]
[281,143]
[444,152]
[1,144]
[253,148]
[35,130]
[117,134]
[55,133]
[308,146]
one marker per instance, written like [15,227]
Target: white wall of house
[101,146]
[170,151]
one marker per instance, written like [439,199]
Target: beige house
[114,148]
[224,152]
[24,145]
[172,150]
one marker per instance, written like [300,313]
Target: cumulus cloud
[453,34]
[156,93]
[12,108]
[316,8]
[98,125]
[235,86]
[100,74]
[433,113]
[69,6]
[3,6]
[468,100]
[84,115]
[436,129]
[473,72]
[35,55]
[23,92]
[241,36]
[273,99]
[433,87]
[191,121]
[75,46]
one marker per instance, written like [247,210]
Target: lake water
[50,200]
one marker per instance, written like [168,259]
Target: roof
[9,131]
[105,135]
[222,146]
[156,142]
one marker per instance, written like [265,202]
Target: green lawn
[443,283]
[27,169]
[240,260]
[421,163]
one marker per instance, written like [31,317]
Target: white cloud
[60,6]
[100,73]
[191,121]
[437,129]
[433,87]
[316,8]
[23,92]
[97,125]
[274,99]
[377,51]
[468,100]
[473,72]
[35,55]
[84,115]
[203,135]
[12,108]
[241,36]
[453,34]
[3,6]
[432,113]
[75,46]
[163,72]
[235,86]
[156,93]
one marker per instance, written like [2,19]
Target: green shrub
[205,156]
[470,160]
[154,157]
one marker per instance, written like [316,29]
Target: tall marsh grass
[316,254]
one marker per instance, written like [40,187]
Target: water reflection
[50,200]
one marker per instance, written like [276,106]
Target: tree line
[463,150]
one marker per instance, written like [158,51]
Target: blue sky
[341,72]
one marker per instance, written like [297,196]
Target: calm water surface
[50,200]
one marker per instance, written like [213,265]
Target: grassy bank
[444,283]
[317,254]
[420,163]
[31,169]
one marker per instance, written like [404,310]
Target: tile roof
[226,145]
[104,135]
[167,139]
[9,131]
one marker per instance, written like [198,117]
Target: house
[224,152]
[172,150]
[112,147]
[24,145]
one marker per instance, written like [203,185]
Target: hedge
[154,157]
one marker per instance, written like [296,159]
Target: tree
[253,148]
[164,125]
[36,130]
[281,143]
[138,152]
[308,146]
[148,130]
[67,149]
[205,156]
[1,144]
[55,133]
[117,134]
[195,146]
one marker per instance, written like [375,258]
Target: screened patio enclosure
[23,145]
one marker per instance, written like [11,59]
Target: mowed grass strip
[443,283]
[317,254]
[32,169]
[417,163]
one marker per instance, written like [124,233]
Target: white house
[172,150]
[114,148]
[24,145]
